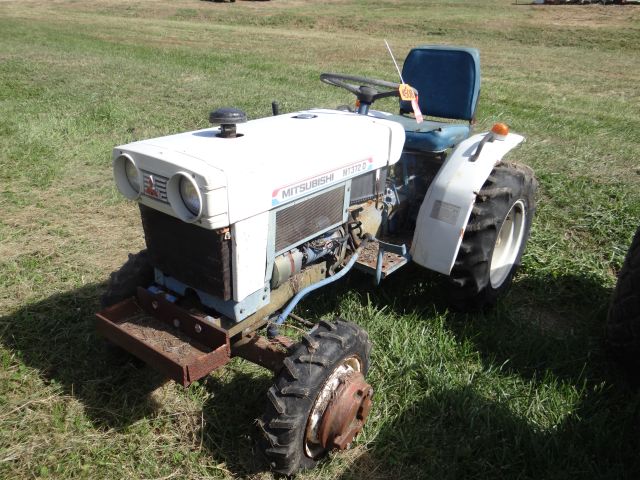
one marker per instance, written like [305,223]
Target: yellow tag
[406,92]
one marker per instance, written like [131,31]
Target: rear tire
[623,320]
[328,348]
[494,238]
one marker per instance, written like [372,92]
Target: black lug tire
[623,320]
[296,387]
[124,282]
[470,283]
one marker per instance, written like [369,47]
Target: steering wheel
[366,89]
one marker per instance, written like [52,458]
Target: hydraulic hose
[272,330]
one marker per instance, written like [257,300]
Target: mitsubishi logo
[150,188]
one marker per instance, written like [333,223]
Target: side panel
[288,159]
[446,208]
[249,255]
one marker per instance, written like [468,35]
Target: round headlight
[184,197]
[190,195]
[132,175]
[127,176]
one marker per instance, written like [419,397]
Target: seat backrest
[447,79]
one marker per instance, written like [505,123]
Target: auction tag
[416,110]
[406,92]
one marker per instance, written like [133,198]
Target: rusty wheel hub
[341,409]
[347,412]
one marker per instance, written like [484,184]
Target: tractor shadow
[57,337]
[238,393]
[542,323]
[459,430]
[460,433]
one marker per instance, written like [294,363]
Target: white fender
[446,208]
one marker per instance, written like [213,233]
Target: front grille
[195,256]
[156,184]
[302,221]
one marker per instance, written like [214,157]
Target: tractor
[244,219]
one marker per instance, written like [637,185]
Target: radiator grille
[303,220]
[365,187]
[197,257]
[159,183]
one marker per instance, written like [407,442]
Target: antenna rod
[394,60]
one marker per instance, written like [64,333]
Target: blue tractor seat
[448,82]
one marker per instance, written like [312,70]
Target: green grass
[524,391]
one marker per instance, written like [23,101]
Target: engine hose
[272,330]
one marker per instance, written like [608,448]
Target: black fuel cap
[227,118]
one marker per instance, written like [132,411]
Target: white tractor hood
[272,161]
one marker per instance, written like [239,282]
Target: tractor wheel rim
[508,243]
[340,410]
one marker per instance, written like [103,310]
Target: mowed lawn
[523,391]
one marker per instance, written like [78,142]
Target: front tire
[495,237]
[124,282]
[321,379]
[623,320]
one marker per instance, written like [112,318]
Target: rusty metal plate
[368,260]
[170,339]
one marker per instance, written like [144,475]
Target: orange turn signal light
[500,130]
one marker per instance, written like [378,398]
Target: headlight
[128,177]
[190,196]
[132,175]
[185,197]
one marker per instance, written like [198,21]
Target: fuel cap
[227,118]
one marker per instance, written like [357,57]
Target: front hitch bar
[182,346]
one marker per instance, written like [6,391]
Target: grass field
[524,391]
